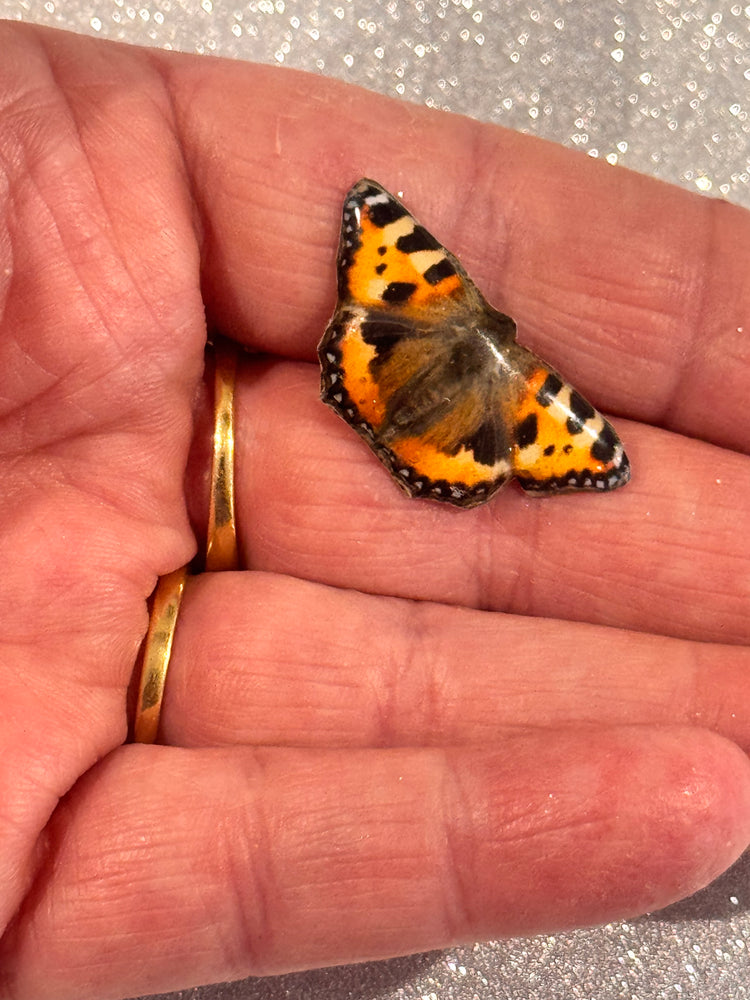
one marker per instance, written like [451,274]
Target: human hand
[351,772]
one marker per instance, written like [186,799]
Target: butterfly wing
[401,360]
[430,375]
[387,259]
[562,443]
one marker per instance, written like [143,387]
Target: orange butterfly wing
[430,375]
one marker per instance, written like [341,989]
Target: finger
[184,867]
[370,671]
[636,290]
[668,553]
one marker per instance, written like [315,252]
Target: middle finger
[668,553]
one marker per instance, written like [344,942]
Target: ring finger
[265,659]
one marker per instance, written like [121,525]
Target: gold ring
[157,649]
[221,534]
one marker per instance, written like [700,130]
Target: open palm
[405,726]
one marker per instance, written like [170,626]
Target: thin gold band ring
[221,535]
[221,551]
[157,649]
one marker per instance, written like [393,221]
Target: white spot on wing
[594,426]
[531,453]
[394,230]
[560,405]
[376,288]
[423,260]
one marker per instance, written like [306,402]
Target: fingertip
[588,827]
[706,807]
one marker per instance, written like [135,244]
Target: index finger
[635,289]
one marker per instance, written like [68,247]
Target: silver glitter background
[661,86]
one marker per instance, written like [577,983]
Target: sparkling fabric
[661,86]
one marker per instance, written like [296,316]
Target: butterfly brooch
[431,376]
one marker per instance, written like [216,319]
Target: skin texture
[408,726]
